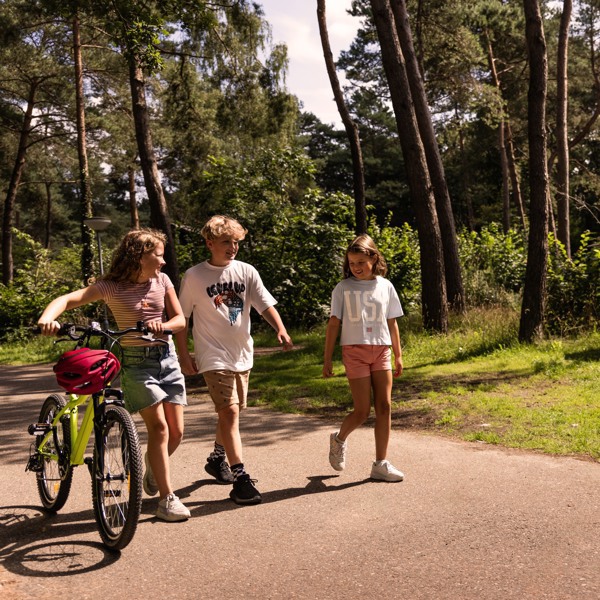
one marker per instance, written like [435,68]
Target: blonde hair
[126,262]
[219,225]
[363,244]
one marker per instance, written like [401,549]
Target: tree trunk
[159,213]
[133,207]
[562,140]
[435,307]
[454,283]
[466,176]
[48,229]
[514,175]
[505,178]
[87,253]
[534,293]
[358,171]
[510,175]
[13,186]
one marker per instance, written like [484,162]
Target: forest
[469,151]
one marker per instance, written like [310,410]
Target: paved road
[469,521]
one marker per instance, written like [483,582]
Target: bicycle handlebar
[71,329]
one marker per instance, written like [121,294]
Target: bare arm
[331,334]
[395,334]
[176,320]
[186,359]
[47,322]
[272,317]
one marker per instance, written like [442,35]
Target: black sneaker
[244,492]
[220,470]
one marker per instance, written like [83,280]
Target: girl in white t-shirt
[365,305]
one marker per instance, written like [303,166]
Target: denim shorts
[151,374]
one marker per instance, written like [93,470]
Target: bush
[296,233]
[400,248]
[37,281]
[573,286]
[493,265]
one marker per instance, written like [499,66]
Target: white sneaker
[150,486]
[337,452]
[386,471]
[172,509]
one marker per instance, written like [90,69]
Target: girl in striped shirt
[135,290]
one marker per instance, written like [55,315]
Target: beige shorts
[227,388]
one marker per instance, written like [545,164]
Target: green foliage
[400,248]
[37,281]
[574,286]
[296,233]
[493,265]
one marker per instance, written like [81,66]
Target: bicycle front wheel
[117,478]
[56,475]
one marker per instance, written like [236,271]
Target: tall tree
[32,95]
[454,283]
[84,172]
[562,137]
[352,131]
[534,293]
[435,307]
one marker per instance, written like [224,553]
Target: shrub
[573,286]
[37,281]
[493,265]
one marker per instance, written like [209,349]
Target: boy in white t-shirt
[219,293]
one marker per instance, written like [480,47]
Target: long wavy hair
[363,244]
[126,262]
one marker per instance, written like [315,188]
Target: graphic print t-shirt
[364,308]
[220,299]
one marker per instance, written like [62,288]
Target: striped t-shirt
[132,302]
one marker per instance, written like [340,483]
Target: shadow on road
[316,485]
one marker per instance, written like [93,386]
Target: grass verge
[477,384]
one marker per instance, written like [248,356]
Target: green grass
[477,384]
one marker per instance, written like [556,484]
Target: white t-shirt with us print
[364,307]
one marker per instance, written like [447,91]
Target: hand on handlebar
[156,326]
[49,328]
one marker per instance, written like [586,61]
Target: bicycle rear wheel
[117,478]
[55,478]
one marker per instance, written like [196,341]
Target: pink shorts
[360,360]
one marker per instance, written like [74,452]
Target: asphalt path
[470,521]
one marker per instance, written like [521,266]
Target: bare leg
[174,417]
[361,395]
[382,393]
[158,446]
[228,433]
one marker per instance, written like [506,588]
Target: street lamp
[99,224]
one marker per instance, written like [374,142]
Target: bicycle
[116,463]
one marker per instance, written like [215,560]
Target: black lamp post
[99,224]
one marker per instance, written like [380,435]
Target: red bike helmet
[86,371]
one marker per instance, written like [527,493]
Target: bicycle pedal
[89,461]
[39,428]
